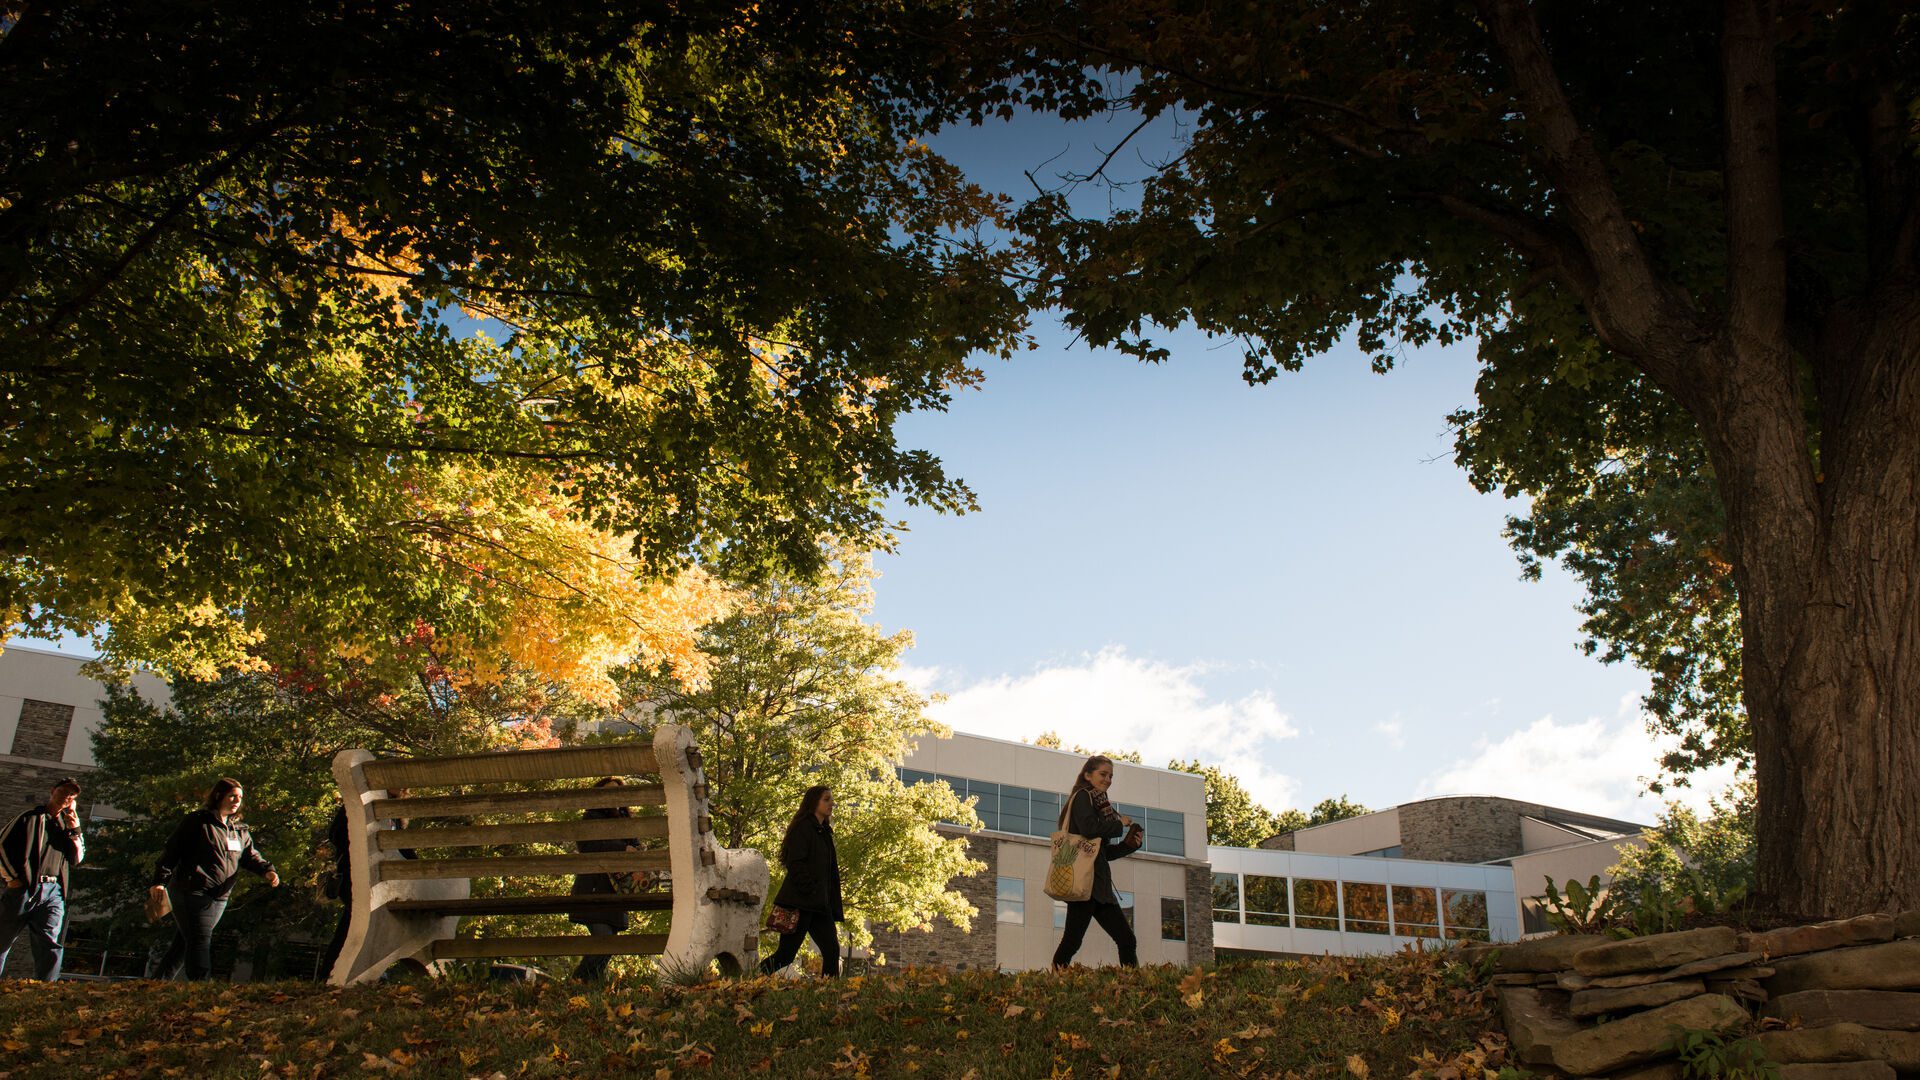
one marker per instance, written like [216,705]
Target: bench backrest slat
[524,832]
[564,763]
[609,862]
[519,802]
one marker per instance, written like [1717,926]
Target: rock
[1712,963]
[1659,1070]
[1794,940]
[1739,989]
[1886,1009]
[1642,1036]
[1892,966]
[1907,924]
[1513,978]
[1568,980]
[1755,971]
[1656,952]
[1841,1042]
[1595,1002]
[1838,1070]
[1544,954]
[1533,1019]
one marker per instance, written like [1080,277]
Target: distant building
[1166,886]
[49,711]
[1533,840]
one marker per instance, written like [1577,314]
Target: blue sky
[1293,580]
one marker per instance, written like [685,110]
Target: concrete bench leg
[379,938]
[717,892]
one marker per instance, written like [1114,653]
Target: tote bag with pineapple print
[1070,873]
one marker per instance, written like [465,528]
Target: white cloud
[1594,765]
[1113,701]
[1393,731]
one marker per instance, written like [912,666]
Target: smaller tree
[1690,862]
[802,691]
[1234,819]
[1051,741]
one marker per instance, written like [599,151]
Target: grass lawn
[1343,1019]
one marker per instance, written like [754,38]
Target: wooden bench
[409,909]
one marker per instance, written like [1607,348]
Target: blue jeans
[42,911]
[194,917]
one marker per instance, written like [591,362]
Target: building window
[1266,901]
[1366,907]
[1173,919]
[1033,812]
[1010,901]
[1226,898]
[1316,904]
[1059,914]
[1416,911]
[1126,904]
[1466,914]
[1166,832]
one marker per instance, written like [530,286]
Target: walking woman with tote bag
[1089,816]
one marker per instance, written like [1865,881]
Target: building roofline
[1069,753]
[1573,817]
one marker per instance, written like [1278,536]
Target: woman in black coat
[812,887]
[1088,813]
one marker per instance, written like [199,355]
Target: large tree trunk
[1826,551]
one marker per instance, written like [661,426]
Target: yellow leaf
[1357,1065]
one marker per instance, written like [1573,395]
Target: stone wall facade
[946,944]
[26,783]
[1468,829]
[1283,842]
[1199,914]
[43,730]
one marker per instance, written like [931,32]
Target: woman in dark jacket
[813,884]
[1088,813]
[599,921]
[197,871]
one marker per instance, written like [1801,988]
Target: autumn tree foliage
[1686,240]
[802,690]
[283,286]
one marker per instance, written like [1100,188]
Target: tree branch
[1632,312]
[1756,221]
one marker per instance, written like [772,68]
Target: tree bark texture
[1828,567]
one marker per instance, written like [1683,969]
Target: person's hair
[1080,782]
[804,816]
[66,784]
[217,794]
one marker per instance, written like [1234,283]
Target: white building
[1017,789]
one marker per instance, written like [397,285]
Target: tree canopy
[803,691]
[1686,241]
[267,271]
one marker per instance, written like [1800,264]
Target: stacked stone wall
[1832,1001]
[1466,829]
[43,730]
[945,944]
[1199,915]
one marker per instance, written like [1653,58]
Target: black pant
[194,917]
[1111,918]
[821,927]
[339,942]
